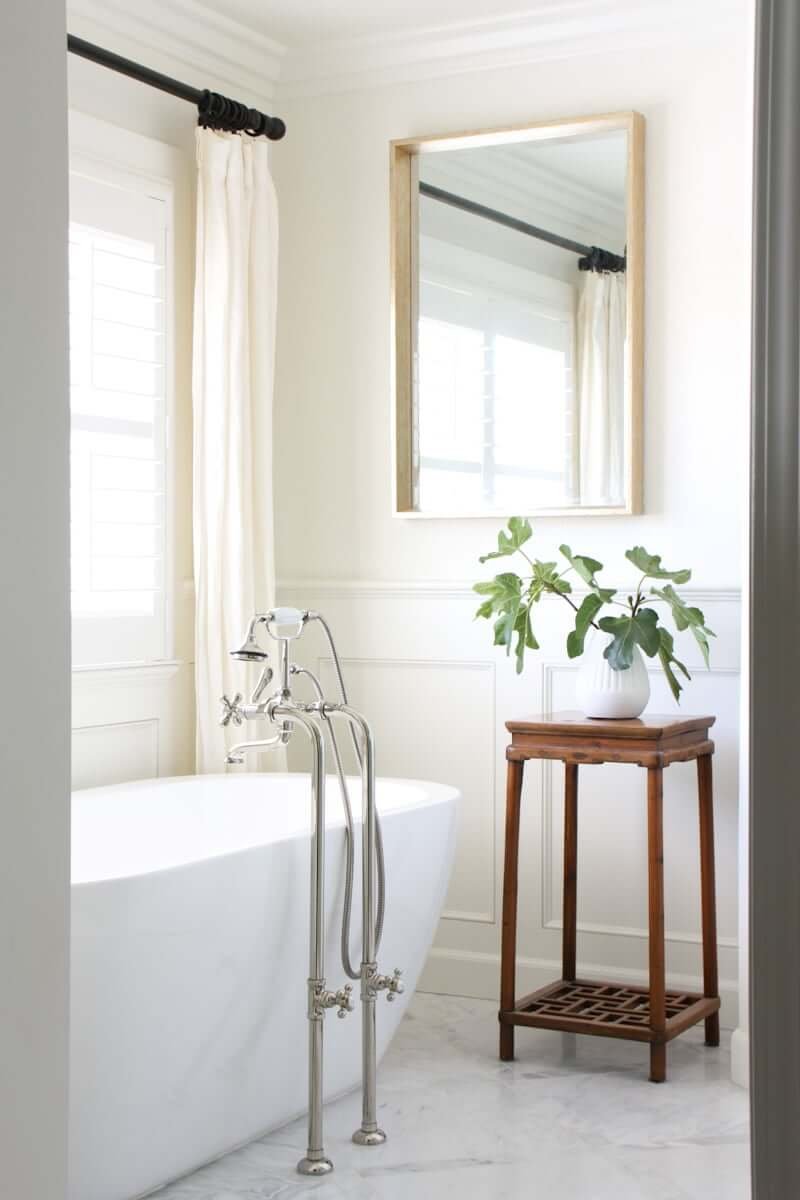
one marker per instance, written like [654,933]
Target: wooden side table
[576,1005]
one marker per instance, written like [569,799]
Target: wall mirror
[517,308]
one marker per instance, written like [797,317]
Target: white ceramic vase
[603,692]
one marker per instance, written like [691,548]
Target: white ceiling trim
[571,29]
[205,48]
[184,39]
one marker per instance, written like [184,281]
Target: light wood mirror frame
[404,180]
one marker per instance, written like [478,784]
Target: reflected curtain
[600,407]
[232,386]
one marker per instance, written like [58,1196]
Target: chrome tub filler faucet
[284,714]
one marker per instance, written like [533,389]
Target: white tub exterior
[190,958]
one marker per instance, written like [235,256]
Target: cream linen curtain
[232,385]
[601,388]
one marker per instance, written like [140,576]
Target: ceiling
[298,24]
[257,49]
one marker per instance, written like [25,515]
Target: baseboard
[465,973]
[740,1057]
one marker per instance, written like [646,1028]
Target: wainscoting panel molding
[114,753]
[410,704]
[132,723]
[438,695]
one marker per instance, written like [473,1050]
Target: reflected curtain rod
[593,258]
[213,111]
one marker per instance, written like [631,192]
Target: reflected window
[496,411]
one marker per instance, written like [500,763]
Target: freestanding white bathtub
[190,955]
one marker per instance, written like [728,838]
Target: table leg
[707,892]
[570,910]
[655,838]
[508,954]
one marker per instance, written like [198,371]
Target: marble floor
[572,1118]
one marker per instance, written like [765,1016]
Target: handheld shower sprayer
[250,651]
[282,709]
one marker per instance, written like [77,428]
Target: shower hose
[347,911]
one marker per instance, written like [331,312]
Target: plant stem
[571,603]
[639,601]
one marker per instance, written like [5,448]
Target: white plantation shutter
[118,332]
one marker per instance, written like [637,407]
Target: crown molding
[187,40]
[197,43]
[551,29]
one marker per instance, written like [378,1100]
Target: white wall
[333,417]
[120,101]
[397,589]
[34,629]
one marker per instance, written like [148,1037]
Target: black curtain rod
[213,111]
[592,257]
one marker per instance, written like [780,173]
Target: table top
[650,727]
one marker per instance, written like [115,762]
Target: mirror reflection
[521,397]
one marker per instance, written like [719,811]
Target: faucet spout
[236,754]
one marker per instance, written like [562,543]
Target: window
[118,291]
[495,355]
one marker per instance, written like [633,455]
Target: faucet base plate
[315,1166]
[369,1137]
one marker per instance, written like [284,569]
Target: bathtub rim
[434,795]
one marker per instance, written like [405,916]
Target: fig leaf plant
[508,600]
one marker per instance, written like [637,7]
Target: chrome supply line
[319,999]
[347,905]
[368,1134]
[315,616]
[285,712]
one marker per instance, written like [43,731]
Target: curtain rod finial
[220,112]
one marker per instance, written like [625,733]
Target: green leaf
[504,628]
[504,597]
[619,651]
[530,637]
[583,619]
[519,532]
[587,568]
[639,630]
[500,592]
[509,583]
[545,578]
[686,617]
[650,565]
[525,636]
[521,529]
[667,657]
[646,622]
